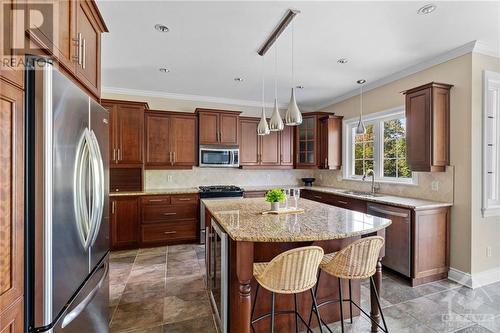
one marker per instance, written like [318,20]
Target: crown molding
[186,97]
[446,56]
[487,49]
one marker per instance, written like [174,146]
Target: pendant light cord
[276,72]
[293,74]
[361,101]
[263,84]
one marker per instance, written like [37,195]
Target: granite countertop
[412,203]
[187,190]
[243,221]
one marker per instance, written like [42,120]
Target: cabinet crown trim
[119,101]
[201,110]
[428,85]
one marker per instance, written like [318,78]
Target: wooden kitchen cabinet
[126,132]
[171,140]
[335,200]
[12,203]
[330,136]
[169,219]
[124,222]
[308,141]
[273,150]
[9,69]
[218,127]
[428,127]
[74,42]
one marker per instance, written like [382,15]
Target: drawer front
[156,200]
[184,199]
[160,213]
[349,203]
[168,231]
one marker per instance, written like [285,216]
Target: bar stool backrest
[357,260]
[293,271]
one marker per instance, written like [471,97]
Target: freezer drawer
[397,237]
[88,311]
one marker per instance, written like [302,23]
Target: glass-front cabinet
[307,142]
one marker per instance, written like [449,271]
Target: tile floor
[161,290]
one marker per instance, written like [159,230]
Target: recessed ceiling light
[238,79]
[299,87]
[161,28]
[427,9]
[343,61]
[361,81]
[164,70]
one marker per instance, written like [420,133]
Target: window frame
[376,119]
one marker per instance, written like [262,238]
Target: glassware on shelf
[296,197]
[287,198]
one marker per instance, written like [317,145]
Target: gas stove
[220,191]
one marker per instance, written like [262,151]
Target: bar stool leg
[273,296]
[350,300]
[317,311]
[341,306]
[296,312]
[378,303]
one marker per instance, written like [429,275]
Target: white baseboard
[474,280]
[460,277]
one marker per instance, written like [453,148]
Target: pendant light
[263,128]
[360,129]
[276,123]
[293,116]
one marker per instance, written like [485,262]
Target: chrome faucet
[370,172]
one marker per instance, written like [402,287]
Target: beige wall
[455,184]
[485,231]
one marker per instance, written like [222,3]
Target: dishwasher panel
[397,237]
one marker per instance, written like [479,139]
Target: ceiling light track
[282,25]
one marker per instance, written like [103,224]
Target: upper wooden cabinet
[126,136]
[428,127]
[73,39]
[330,134]
[171,140]
[308,141]
[218,127]
[272,150]
[9,68]
[12,203]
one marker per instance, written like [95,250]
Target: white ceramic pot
[275,206]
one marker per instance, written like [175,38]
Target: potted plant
[275,196]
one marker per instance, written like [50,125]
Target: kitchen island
[253,237]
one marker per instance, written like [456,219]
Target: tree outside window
[363,151]
[394,153]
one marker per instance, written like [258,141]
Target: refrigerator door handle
[97,188]
[80,178]
[73,314]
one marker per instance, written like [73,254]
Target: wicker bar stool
[290,272]
[357,261]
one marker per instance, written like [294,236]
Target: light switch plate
[435,185]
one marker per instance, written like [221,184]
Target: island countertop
[243,220]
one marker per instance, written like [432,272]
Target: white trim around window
[491,144]
[376,120]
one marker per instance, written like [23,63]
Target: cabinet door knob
[184,199]
[342,202]
[170,232]
[113,207]
[155,200]
[169,214]
[84,53]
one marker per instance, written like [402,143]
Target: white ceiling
[210,43]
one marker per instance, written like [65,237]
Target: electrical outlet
[488,251]
[169,178]
[435,185]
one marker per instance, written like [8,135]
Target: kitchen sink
[361,193]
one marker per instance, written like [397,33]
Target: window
[491,142]
[382,148]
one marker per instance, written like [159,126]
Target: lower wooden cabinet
[254,194]
[11,320]
[124,222]
[154,220]
[335,200]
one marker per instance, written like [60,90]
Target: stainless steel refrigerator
[67,220]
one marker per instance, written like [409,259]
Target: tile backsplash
[159,179]
[422,190]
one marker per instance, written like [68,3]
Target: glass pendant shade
[361,129]
[276,123]
[263,127]
[293,116]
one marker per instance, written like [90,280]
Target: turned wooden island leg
[244,271]
[377,278]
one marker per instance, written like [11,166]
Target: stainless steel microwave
[220,156]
